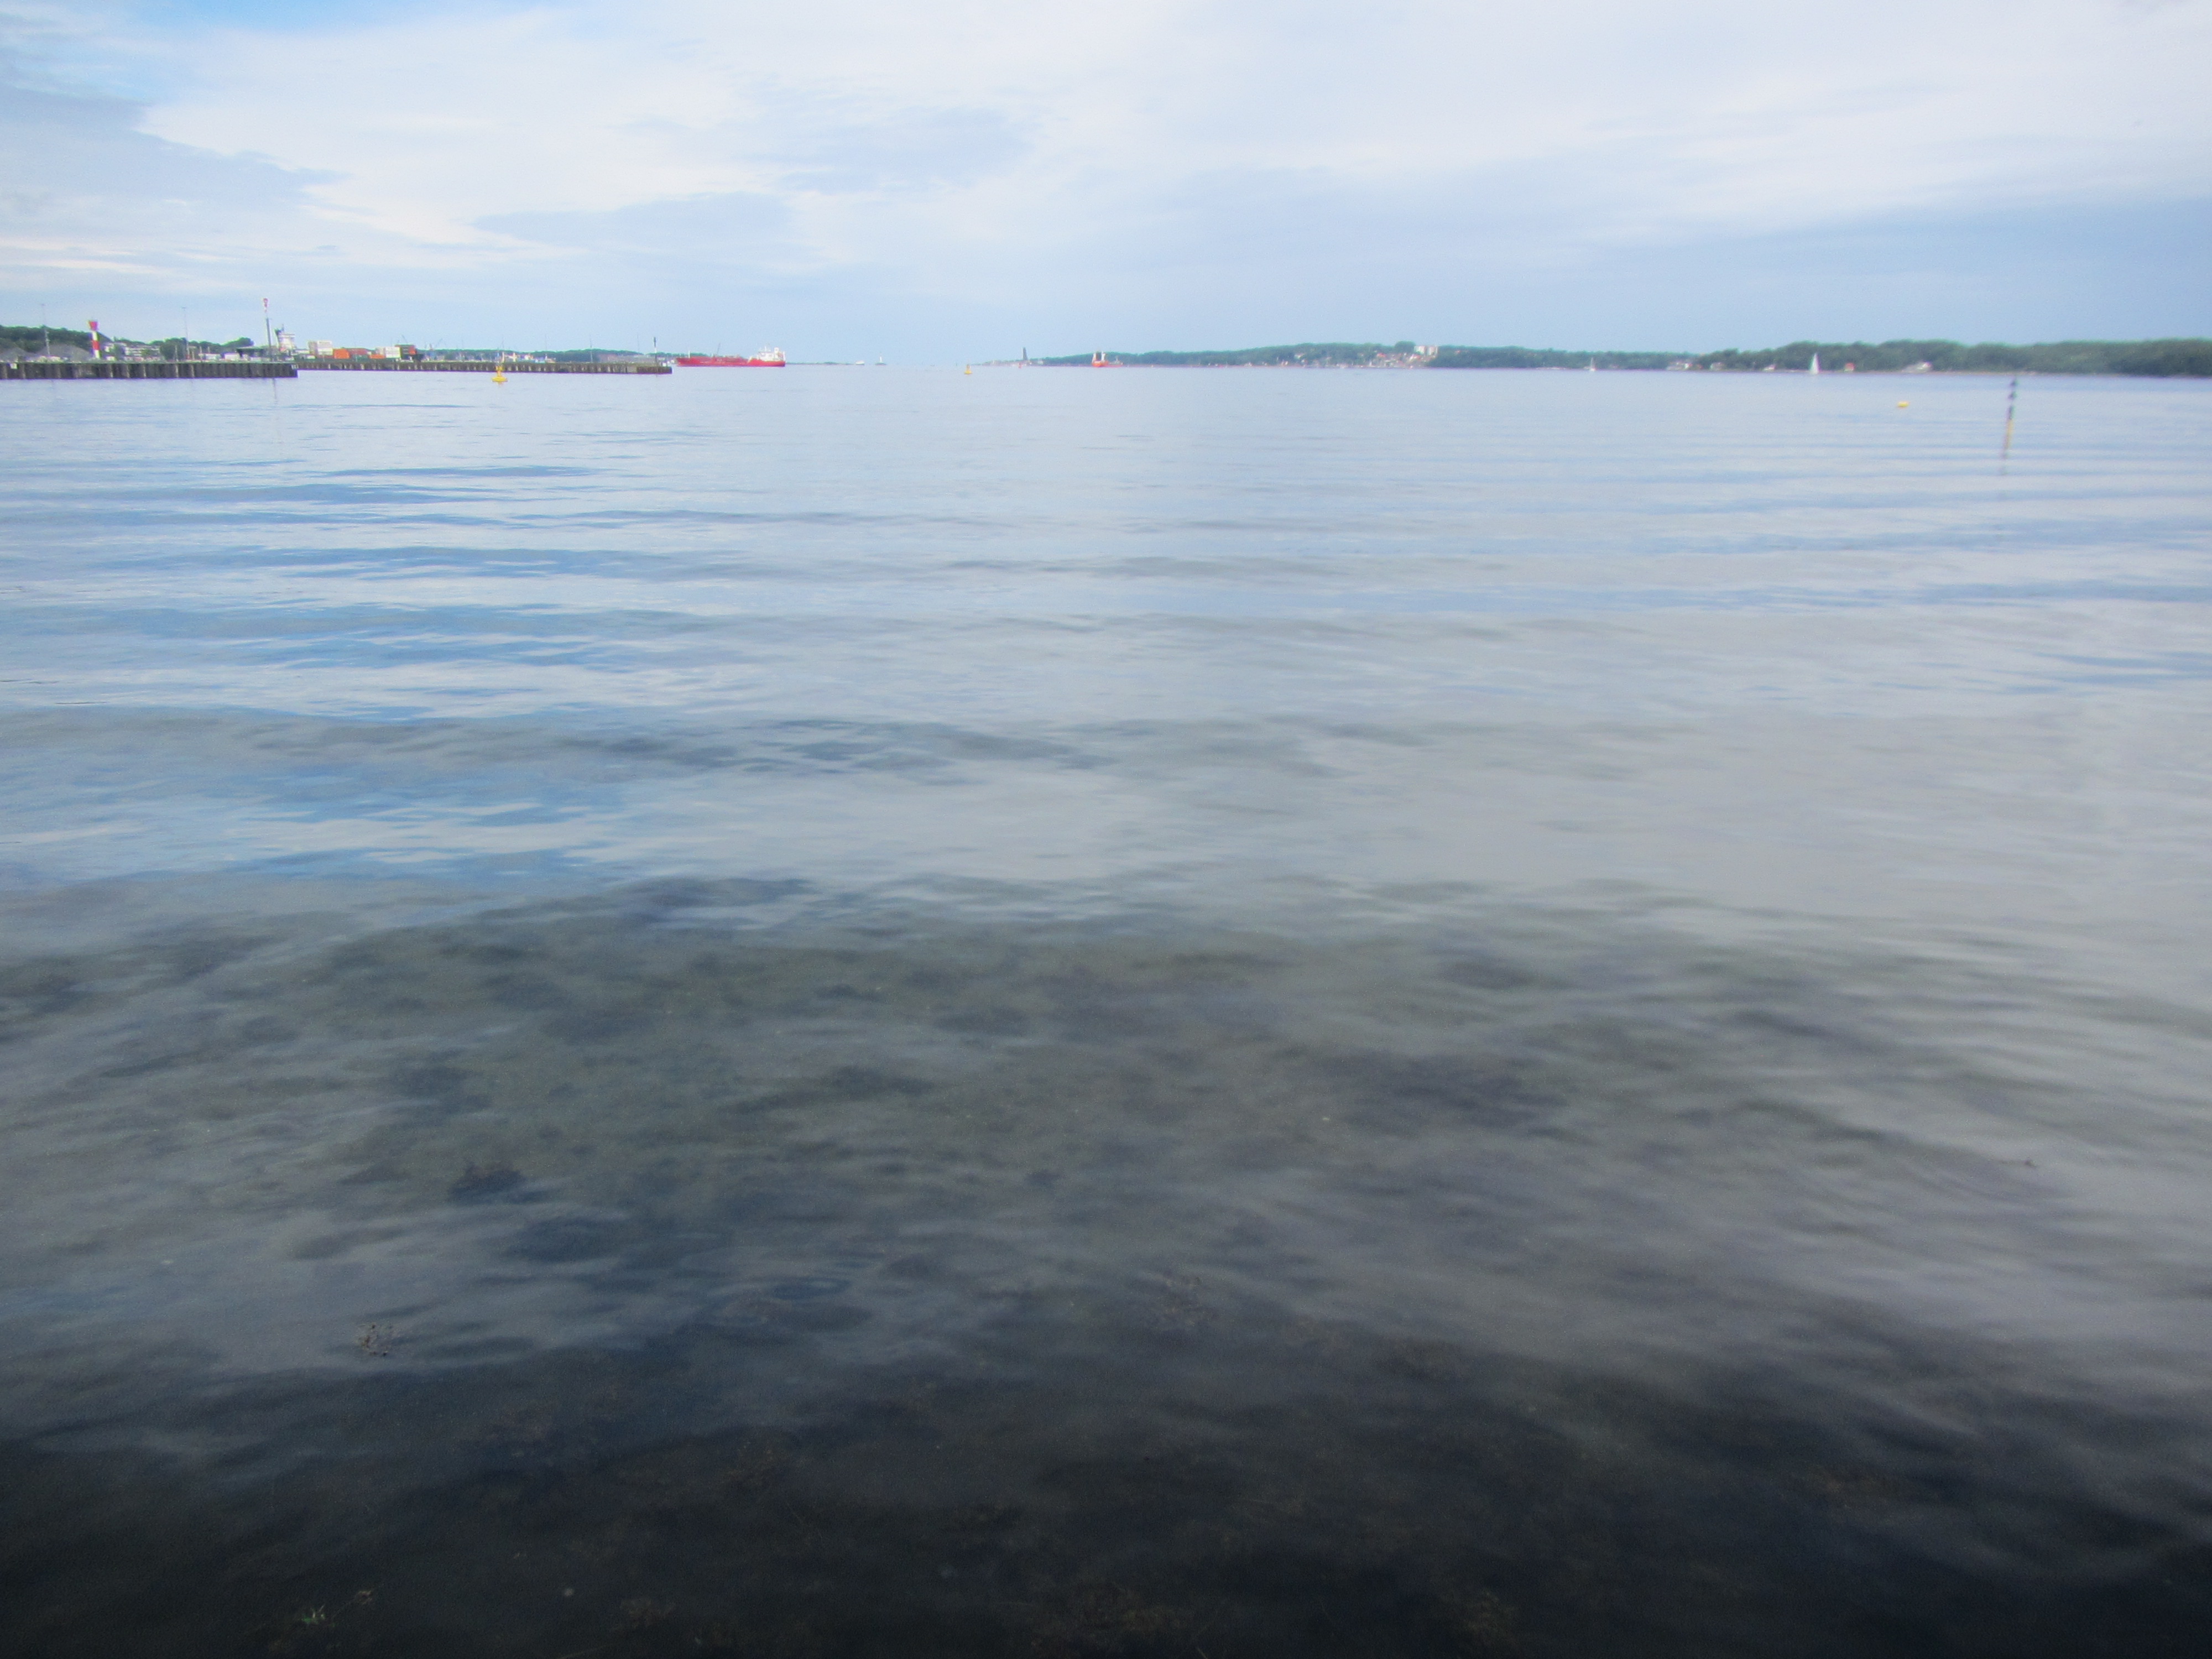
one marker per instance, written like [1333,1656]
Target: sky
[962,180]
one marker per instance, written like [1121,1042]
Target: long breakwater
[477,366]
[147,369]
[255,369]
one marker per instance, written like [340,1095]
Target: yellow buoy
[966,368]
[1904,403]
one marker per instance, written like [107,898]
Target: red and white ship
[771,358]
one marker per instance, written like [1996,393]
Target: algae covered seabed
[700,1267]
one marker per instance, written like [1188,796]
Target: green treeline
[32,339]
[1314,354]
[2062,357]
[29,336]
[1528,357]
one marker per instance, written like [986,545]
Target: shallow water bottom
[722,1267]
[1389,1498]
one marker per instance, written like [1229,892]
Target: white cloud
[978,151]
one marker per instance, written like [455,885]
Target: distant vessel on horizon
[771,358]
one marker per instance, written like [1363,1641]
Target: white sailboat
[1815,369]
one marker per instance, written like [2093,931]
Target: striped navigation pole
[2012,399]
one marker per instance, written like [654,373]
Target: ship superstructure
[770,358]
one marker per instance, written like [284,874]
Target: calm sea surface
[885,1012]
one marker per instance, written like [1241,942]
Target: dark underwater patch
[820,1289]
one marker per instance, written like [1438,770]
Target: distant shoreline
[2190,358]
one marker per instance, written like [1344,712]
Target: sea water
[878,1011]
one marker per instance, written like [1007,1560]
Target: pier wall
[149,368]
[472,365]
[156,368]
